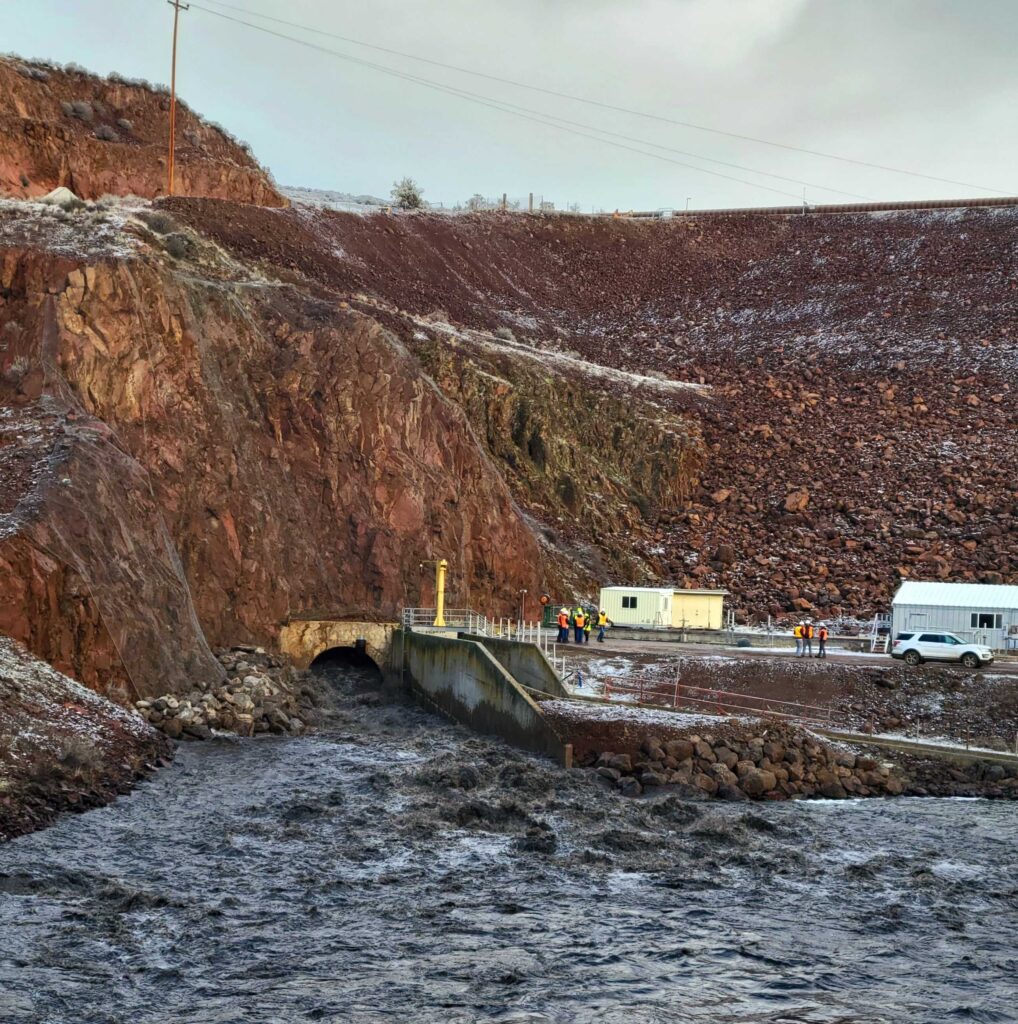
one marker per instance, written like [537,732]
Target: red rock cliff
[101,136]
[211,452]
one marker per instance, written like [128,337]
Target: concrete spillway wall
[464,681]
[526,663]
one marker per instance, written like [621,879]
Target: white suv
[916,648]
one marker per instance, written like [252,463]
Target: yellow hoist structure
[441,568]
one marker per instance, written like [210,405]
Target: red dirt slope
[863,366]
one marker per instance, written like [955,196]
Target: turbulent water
[393,867]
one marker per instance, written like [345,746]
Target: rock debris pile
[63,747]
[261,693]
[748,762]
[861,372]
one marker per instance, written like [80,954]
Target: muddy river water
[395,868]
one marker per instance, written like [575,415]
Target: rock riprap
[261,693]
[749,761]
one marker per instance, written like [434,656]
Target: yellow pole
[440,569]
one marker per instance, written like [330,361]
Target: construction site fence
[710,701]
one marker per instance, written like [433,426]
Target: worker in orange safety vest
[563,626]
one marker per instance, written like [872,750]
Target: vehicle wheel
[970,660]
[913,658]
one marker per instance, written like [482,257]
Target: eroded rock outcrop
[98,136]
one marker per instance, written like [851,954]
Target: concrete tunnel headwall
[303,640]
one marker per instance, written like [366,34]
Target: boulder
[726,756]
[797,500]
[681,750]
[757,782]
[732,793]
[173,728]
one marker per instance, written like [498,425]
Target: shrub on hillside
[178,246]
[73,205]
[80,109]
[159,222]
[106,133]
[126,125]
[37,74]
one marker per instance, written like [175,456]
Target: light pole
[523,605]
[687,202]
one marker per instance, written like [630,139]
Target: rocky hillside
[63,747]
[62,126]
[216,416]
[857,423]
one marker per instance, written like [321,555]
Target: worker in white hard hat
[563,626]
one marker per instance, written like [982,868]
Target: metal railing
[710,701]
[469,621]
[455,618]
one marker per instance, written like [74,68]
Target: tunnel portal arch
[303,640]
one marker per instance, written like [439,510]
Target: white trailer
[980,613]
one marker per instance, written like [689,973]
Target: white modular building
[664,607]
[981,613]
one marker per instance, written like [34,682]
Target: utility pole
[177,8]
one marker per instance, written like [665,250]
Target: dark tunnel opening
[344,657]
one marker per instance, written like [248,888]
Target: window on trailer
[629,601]
[987,620]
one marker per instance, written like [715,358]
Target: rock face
[65,127]
[193,454]
[218,416]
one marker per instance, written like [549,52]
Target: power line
[534,116]
[604,106]
[682,152]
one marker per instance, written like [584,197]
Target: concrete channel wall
[526,663]
[463,680]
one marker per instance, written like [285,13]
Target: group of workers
[582,621]
[804,633]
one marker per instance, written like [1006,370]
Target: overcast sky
[924,85]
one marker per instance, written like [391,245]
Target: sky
[928,86]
